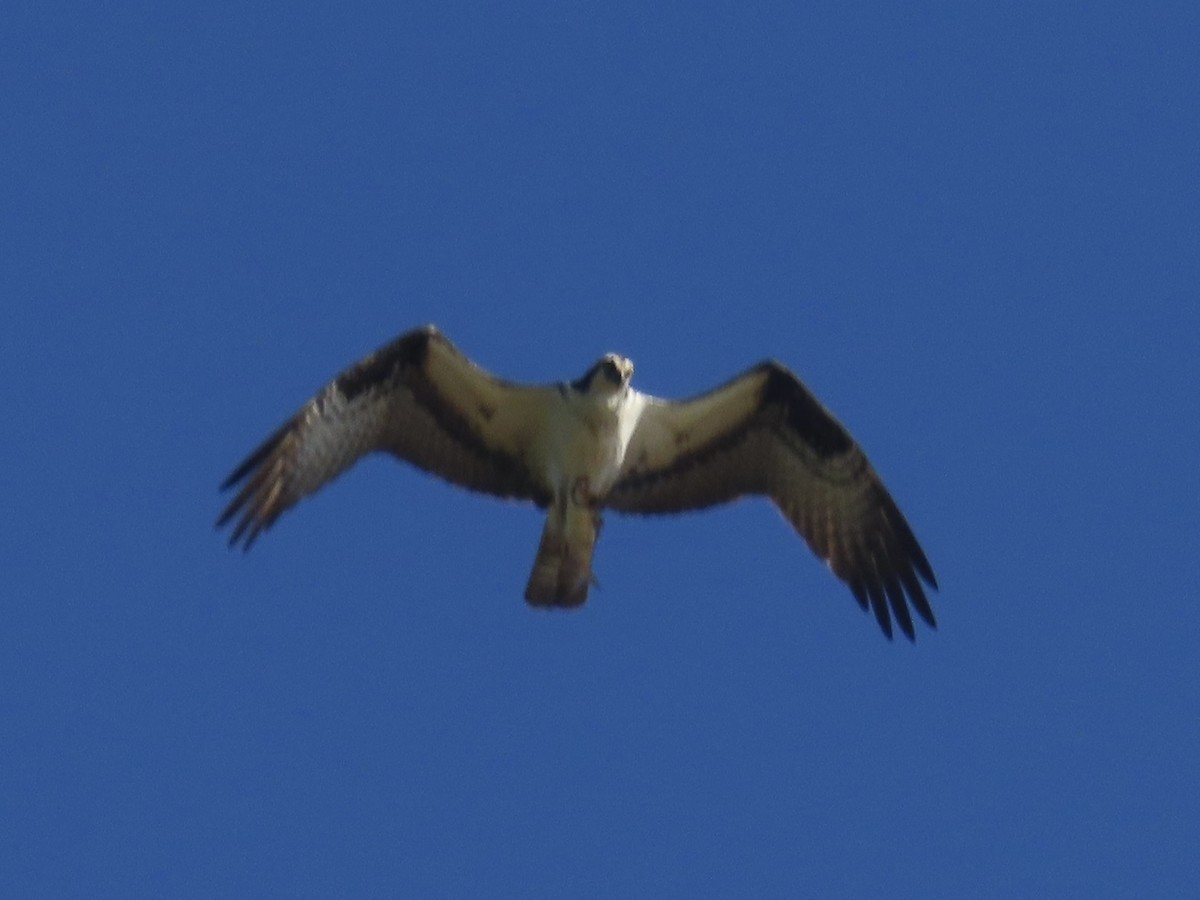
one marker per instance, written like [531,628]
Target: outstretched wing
[764,433]
[418,398]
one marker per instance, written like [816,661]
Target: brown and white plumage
[417,398]
[578,447]
[764,433]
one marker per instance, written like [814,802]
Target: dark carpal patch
[804,414]
[382,366]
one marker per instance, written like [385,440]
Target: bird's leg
[581,495]
[581,492]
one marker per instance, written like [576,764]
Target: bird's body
[582,446]
[580,450]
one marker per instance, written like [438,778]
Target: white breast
[586,437]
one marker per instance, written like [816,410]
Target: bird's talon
[581,492]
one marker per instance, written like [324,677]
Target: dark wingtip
[916,597]
[879,606]
[892,595]
[921,564]
[860,594]
[238,505]
[251,472]
[899,604]
[229,512]
[908,561]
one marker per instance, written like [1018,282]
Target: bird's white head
[610,375]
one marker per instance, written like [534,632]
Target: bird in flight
[596,443]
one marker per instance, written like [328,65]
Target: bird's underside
[577,448]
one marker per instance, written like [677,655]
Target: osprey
[579,447]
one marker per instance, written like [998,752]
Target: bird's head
[610,374]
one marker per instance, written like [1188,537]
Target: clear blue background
[974,232]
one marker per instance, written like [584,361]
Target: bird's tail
[562,571]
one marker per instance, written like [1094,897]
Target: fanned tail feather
[562,571]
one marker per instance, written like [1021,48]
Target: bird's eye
[611,371]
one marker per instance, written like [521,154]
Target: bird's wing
[765,433]
[418,398]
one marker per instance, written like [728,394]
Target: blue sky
[975,234]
